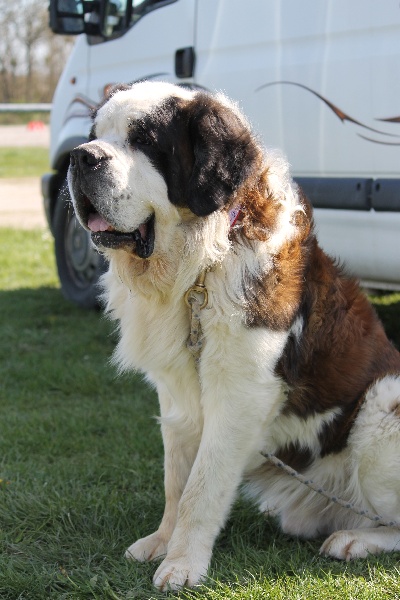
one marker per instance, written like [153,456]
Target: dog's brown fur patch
[342,348]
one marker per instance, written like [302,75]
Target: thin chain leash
[332,498]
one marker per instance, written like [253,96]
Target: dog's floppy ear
[224,152]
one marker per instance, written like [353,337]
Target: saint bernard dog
[174,185]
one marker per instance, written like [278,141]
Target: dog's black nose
[88,157]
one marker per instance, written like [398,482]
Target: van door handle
[185,59]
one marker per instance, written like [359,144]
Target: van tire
[79,265]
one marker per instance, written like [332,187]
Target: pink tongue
[97,223]
[143,230]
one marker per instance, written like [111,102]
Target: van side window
[142,7]
[123,14]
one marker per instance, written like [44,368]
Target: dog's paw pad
[348,545]
[174,575]
[151,547]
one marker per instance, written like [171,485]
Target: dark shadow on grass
[34,302]
[43,337]
[390,317]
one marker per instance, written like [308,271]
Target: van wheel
[79,265]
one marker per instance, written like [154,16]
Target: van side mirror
[72,17]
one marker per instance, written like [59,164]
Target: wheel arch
[60,165]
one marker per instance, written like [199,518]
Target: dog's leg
[359,543]
[181,441]
[374,442]
[231,435]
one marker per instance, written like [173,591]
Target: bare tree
[32,24]
[31,56]
[8,51]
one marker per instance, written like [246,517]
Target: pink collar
[234,215]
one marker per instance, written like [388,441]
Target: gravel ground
[25,135]
[21,202]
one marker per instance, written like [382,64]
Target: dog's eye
[140,140]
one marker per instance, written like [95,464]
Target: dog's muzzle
[86,164]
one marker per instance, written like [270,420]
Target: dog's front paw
[175,574]
[348,545]
[148,548]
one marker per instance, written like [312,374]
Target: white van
[319,79]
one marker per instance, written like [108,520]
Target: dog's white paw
[348,545]
[175,574]
[148,548]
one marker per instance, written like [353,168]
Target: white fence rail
[36,107]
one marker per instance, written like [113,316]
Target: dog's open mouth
[140,241]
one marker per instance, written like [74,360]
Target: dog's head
[155,146]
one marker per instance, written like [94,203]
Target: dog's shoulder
[336,346]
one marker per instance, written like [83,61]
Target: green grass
[23,118]
[23,162]
[81,466]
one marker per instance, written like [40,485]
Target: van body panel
[70,115]
[314,78]
[317,80]
[146,51]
